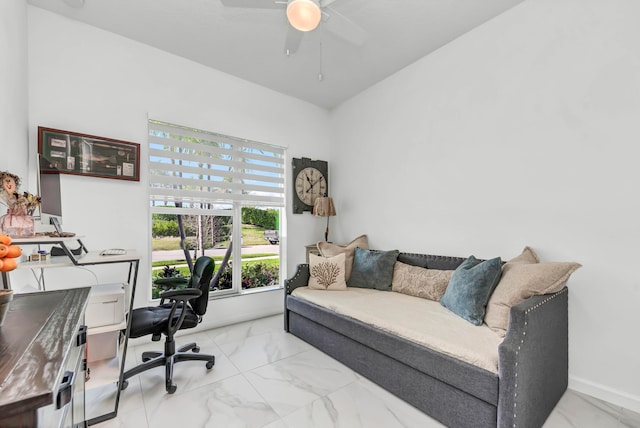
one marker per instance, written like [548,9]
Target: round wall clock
[310,180]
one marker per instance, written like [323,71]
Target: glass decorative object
[17,224]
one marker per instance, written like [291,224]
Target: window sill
[246,292]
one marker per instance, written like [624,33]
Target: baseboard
[618,398]
[232,310]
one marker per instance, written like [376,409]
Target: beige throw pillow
[327,273]
[420,282]
[527,256]
[327,249]
[522,277]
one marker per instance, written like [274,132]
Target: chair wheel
[171,388]
[124,385]
[209,365]
[196,349]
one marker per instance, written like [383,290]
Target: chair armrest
[181,295]
[533,360]
[179,298]
[171,283]
[299,279]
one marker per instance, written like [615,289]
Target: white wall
[522,132]
[13,87]
[87,80]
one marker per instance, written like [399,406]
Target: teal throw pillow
[372,269]
[470,288]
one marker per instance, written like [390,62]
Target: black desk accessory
[58,251]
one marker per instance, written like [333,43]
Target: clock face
[310,183]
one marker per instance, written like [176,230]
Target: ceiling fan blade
[292,43]
[254,4]
[344,28]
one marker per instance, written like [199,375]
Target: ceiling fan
[306,15]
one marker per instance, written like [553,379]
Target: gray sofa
[532,359]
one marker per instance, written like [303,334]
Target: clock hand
[310,184]
[314,183]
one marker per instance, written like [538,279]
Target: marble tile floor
[266,378]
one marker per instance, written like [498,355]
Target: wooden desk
[106,375]
[42,359]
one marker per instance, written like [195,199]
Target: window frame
[263,186]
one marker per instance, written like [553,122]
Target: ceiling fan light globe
[304,15]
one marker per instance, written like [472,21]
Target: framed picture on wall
[68,152]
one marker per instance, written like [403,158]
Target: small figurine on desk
[18,221]
[10,183]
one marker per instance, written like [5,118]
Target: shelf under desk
[86,259]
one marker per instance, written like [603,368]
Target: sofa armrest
[300,279]
[533,360]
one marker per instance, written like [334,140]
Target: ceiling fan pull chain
[320,75]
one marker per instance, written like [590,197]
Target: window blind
[199,170]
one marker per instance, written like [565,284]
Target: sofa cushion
[420,282]
[373,269]
[522,277]
[470,288]
[420,321]
[327,273]
[328,249]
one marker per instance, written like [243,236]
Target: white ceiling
[249,43]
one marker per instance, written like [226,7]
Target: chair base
[188,352]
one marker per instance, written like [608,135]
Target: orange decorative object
[14,251]
[8,254]
[8,265]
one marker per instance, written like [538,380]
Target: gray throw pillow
[470,288]
[372,269]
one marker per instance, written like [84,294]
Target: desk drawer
[67,409]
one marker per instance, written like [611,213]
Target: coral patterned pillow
[327,273]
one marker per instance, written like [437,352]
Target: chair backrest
[200,278]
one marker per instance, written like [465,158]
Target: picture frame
[74,153]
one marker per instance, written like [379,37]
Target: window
[208,192]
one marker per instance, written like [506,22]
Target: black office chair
[185,311]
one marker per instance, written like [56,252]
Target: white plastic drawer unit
[106,305]
[102,346]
